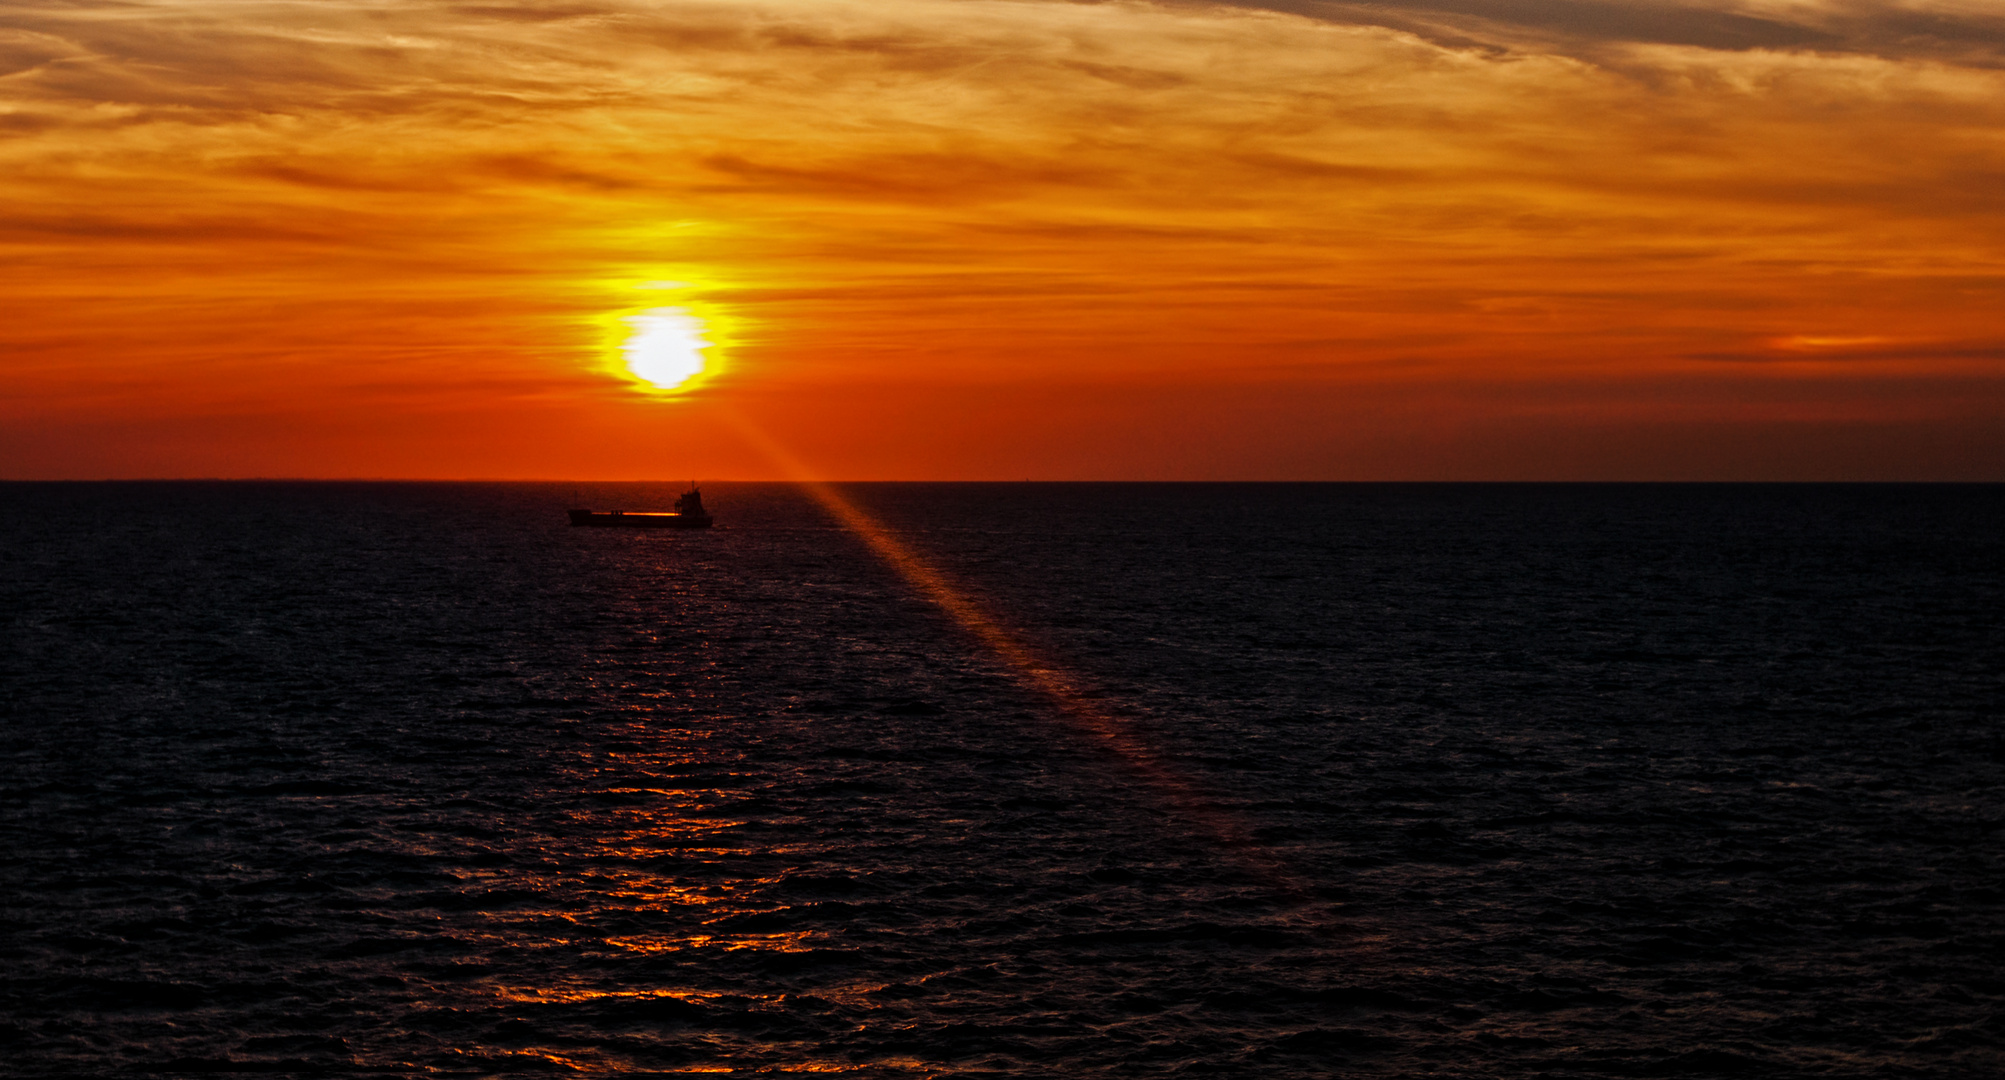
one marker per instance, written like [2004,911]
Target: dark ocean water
[1469,781]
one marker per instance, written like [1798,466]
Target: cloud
[1957,33]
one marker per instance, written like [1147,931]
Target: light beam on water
[1048,679]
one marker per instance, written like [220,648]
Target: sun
[665,347]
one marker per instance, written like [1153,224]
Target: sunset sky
[965,239]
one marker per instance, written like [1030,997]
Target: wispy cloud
[1969,33]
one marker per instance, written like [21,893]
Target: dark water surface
[1566,780]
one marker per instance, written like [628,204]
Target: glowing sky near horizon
[967,238]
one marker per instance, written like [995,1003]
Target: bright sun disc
[665,348]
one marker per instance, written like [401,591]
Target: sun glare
[665,347]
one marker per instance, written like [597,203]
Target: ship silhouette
[688,514]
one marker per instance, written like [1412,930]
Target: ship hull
[617,520]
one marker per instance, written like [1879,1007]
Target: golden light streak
[1057,686]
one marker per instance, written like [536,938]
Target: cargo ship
[688,514]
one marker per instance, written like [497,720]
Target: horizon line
[1026,480]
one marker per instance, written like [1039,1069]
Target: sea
[1003,780]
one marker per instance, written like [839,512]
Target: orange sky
[944,239]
